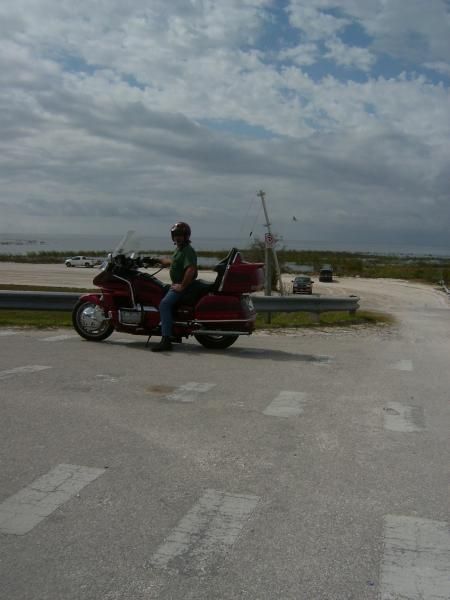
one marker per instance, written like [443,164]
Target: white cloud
[302,55]
[349,56]
[416,30]
[439,67]
[111,112]
[314,23]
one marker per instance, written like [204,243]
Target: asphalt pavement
[309,465]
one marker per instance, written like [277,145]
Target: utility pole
[269,243]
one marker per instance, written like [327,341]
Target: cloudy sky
[136,114]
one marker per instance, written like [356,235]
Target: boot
[164,345]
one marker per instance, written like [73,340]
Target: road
[306,466]
[53,275]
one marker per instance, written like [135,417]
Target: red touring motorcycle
[215,313]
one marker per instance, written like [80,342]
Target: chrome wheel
[90,322]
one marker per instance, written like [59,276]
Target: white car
[80,261]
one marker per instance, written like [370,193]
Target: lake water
[73,244]
[82,244]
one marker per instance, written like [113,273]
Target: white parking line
[404,419]
[209,529]
[403,365]
[286,404]
[58,338]
[416,562]
[23,511]
[189,391]
[22,370]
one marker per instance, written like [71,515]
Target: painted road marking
[209,529]
[107,378]
[405,419]
[189,391]
[416,562]
[23,511]
[58,338]
[22,370]
[403,365]
[286,404]
[5,332]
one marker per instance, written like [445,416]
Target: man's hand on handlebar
[149,261]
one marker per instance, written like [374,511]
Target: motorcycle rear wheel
[90,321]
[216,342]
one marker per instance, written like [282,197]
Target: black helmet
[181,228]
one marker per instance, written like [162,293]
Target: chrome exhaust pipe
[219,332]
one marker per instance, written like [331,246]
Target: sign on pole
[269,240]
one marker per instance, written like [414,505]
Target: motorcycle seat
[197,289]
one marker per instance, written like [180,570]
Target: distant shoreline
[22,245]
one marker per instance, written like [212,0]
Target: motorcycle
[215,313]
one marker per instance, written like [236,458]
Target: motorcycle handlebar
[137,261]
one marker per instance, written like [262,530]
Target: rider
[183,271]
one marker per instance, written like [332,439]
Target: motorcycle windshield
[128,245]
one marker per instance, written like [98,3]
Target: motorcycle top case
[241,277]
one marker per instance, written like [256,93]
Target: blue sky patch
[75,64]
[278,33]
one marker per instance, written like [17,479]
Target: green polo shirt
[182,259]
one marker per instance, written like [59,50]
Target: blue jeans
[166,311]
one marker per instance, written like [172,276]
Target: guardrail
[310,304]
[65,301]
[38,300]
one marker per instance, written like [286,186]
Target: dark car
[326,273]
[302,285]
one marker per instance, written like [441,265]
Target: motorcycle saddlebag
[214,309]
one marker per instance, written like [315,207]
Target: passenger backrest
[221,268]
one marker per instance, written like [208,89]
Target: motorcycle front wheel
[216,342]
[90,321]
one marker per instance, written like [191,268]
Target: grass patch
[43,319]
[37,319]
[338,319]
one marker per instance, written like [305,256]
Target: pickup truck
[80,261]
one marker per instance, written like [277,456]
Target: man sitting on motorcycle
[183,271]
